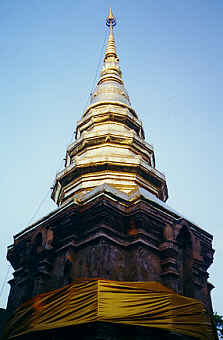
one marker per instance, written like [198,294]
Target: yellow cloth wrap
[148,304]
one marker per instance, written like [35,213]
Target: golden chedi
[113,260]
[110,146]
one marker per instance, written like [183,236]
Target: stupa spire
[110,49]
[110,146]
[110,86]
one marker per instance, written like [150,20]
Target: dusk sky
[171,56]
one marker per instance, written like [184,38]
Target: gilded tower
[111,233]
[110,146]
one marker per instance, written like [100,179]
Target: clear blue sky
[171,56]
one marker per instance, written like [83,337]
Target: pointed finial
[110,20]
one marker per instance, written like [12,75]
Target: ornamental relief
[102,140]
[101,260]
[108,90]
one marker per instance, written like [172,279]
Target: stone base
[106,331]
[113,236]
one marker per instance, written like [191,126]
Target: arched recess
[67,272]
[185,241]
[68,268]
[37,243]
[33,261]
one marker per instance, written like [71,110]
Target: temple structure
[112,222]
